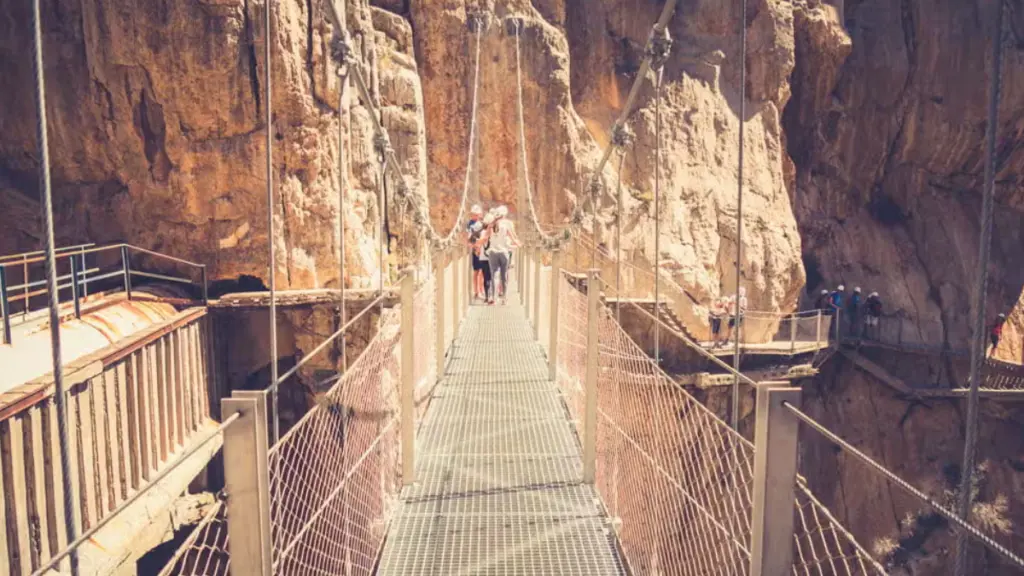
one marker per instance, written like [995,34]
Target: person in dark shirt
[853,311]
[872,312]
[822,302]
[835,307]
[995,333]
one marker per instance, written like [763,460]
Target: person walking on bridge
[716,313]
[478,243]
[473,229]
[502,240]
[995,333]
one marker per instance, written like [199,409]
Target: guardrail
[80,268]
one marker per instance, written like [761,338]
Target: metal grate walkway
[499,469]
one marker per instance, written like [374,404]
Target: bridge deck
[499,469]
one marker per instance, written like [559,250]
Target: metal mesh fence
[822,545]
[675,478]
[205,551]
[334,477]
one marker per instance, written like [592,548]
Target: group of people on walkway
[860,315]
[491,238]
[725,307]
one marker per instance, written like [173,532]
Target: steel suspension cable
[51,284]
[657,215]
[275,429]
[618,240]
[658,46]
[738,329]
[980,289]
[342,184]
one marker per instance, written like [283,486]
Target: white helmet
[857,289]
[476,209]
[501,212]
[824,292]
[488,219]
[841,288]
[873,294]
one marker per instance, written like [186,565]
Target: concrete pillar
[590,381]
[775,459]
[556,281]
[247,483]
[407,415]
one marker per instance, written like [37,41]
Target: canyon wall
[889,155]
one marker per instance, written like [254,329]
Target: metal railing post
[247,483]
[556,280]
[408,383]
[524,291]
[536,296]
[25,289]
[206,293]
[126,267]
[85,275]
[439,321]
[456,309]
[817,333]
[775,460]
[590,382]
[5,305]
[792,333]
[74,287]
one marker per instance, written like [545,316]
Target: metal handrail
[25,255]
[81,276]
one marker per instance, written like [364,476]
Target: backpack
[875,306]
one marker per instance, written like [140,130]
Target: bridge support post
[536,296]
[556,280]
[439,316]
[524,288]
[247,483]
[590,381]
[456,272]
[817,334]
[406,397]
[775,460]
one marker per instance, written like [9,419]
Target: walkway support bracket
[590,382]
[247,483]
[408,382]
[775,460]
[556,280]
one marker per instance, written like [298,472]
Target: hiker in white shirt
[502,240]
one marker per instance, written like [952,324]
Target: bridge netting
[675,477]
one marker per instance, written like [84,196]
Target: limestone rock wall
[157,131]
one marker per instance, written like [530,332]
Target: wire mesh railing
[205,551]
[336,472]
[673,476]
[822,545]
[676,480]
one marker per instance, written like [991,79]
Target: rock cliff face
[889,155]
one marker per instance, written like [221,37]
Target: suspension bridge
[533,438]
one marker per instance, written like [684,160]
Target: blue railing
[23,282]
